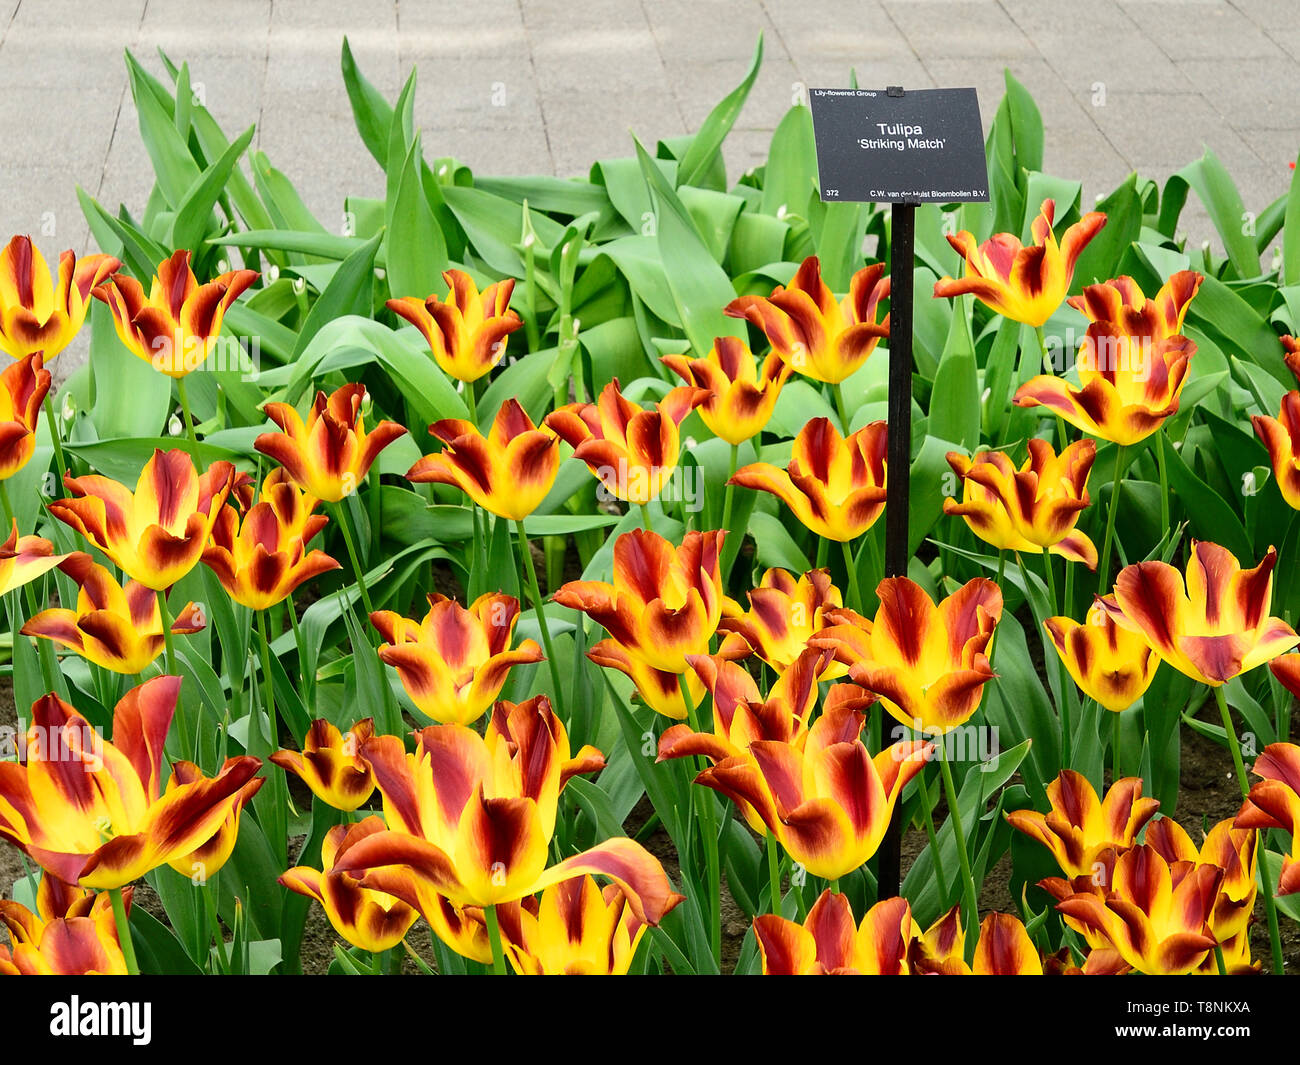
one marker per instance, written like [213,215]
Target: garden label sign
[901,148]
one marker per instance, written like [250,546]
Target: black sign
[890,146]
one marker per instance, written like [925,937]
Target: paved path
[526,86]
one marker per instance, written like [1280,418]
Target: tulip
[1109,663]
[1154,915]
[331,764]
[888,942]
[1079,829]
[367,919]
[73,933]
[470,817]
[33,315]
[927,663]
[1274,802]
[95,813]
[156,534]
[1291,354]
[813,334]
[23,388]
[575,930]
[263,558]
[1031,509]
[1128,384]
[24,558]
[742,395]
[632,451]
[834,485]
[329,455]
[508,472]
[1121,301]
[664,603]
[1281,436]
[118,628]
[827,802]
[467,333]
[175,328]
[454,663]
[1234,851]
[1004,949]
[656,688]
[1214,629]
[1025,284]
[208,858]
[784,614]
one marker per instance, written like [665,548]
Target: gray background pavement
[528,86]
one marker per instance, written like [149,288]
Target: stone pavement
[529,86]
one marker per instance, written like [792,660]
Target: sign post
[926,146]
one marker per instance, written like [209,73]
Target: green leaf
[790,177]
[700,287]
[173,165]
[416,251]
[1209,516]
[1291,233]
[1099,261]
[350,292]
[131,397]
[1208,178]
[194,212]
[371,112]
[707,142]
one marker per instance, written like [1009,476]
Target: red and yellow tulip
[810,331]
[1025,284]
[73,933]
[455,661]
[664,603]
[1079,829]
[24,558]
[175,327]
[367,919]
[926,662]
[575,930]
[263,558]
[1109,663]
[826,801]
[208,858]
[1274,802]
[508,472]
[1130,381]
[1235,852]
[331,765]
[1122,302]
[742,395]
[23,388]
[1212,629]
[330,453]
[834,485]
[96,813]
[784,614]
[1030,509]
[118,628]
[467,332]
[36,316]
[470,817]
[157,533]
[1154,916]
[1281,436]
[632,451]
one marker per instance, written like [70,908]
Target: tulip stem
[59,462]
[774,873]
[932,837]
[1116,732]
[1067,731]
[855,593]
[272,730]
[1164,480]
[645,517]
[841,408]
[123,931]
[188,418]
[709,826]
[1233,745]
[169,646]
[535,591]
[971,924]
[345,523]
[1103,567]
[494,936]
[728,501]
